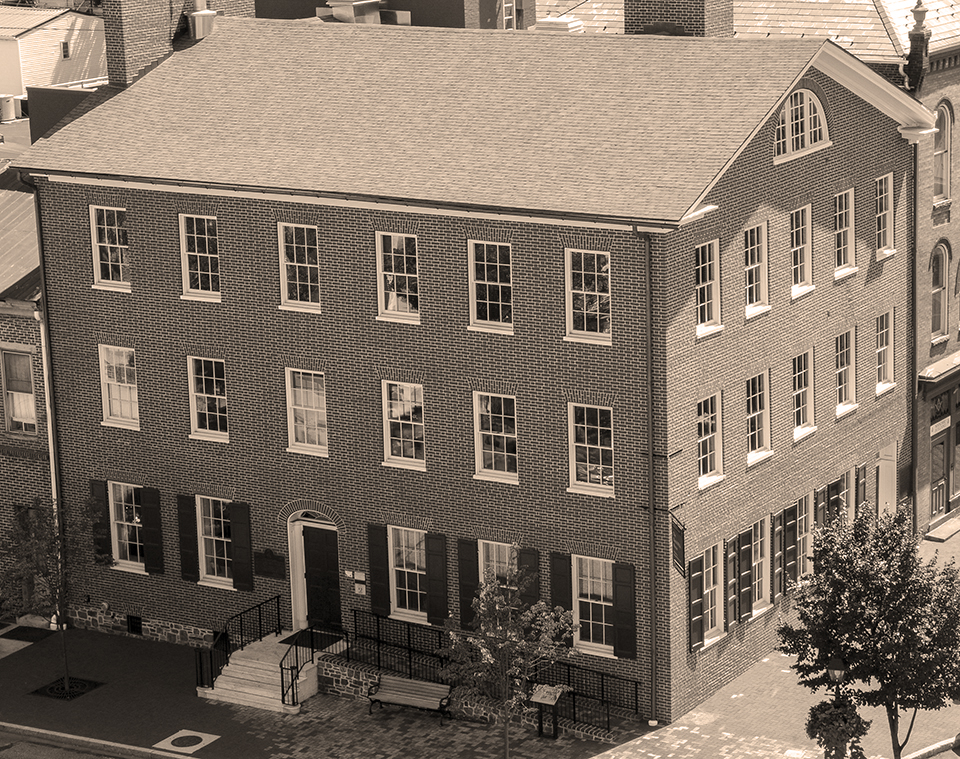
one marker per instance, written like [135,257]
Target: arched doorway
[314,570]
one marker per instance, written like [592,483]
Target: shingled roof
[596,15]
[626,127]
[16,21]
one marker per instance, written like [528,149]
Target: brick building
[350,356]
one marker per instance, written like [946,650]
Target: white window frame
[938,295]
[121,245]
[805,535]
[389,458]
[707,284]
[714,588]
[13,417]
[942,152]
[320,448]
[502,558]
[586,487]
[710,440]
[118,525]
[286,302]
[845,361]
[490,325]
[605,567]
[394,313]
[801,252]
[598,337]
[883,211]
[64,50]
[844,235]
[795,138]
[758,419]
[112,389]
[190,293]
[212,578]
[760,554]
[884,327]
[803,395]
[755,271]
[419,568]
[196,431]
[492,433]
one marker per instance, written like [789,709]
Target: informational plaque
[546,694]
[270,564]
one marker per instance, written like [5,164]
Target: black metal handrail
[242,629]
[404,647]
[302,651]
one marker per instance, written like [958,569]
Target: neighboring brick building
[649,333]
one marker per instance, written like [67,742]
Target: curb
[65,740]
[935,750]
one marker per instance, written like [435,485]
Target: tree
[893,619]
[511,640]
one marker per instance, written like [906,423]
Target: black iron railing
[404,647]
[591,693]
[302,651]
[240,630]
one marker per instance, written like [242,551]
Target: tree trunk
[506,731]
[63,650]
[893,720]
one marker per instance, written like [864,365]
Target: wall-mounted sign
[940,426]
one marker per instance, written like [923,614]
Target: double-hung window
[755,270]
[712,592]
[804,535]
[306,412]
[491,287]
[708,288]
[846,372]
[495,425]
[118,387]
[588,296]
[18,401]
[593,608]
[709,448]
[883,205]
[941,153]
[800,252]
[408,574]
[208,398]
[761,565]
[299,267]
[216,542]
[758,419]
[885,378]
[200,257]
[844,239]
[591,449]
[403,426]
[498,558]
[108,230]
[801,128]
[803,417]
[398,279]
[125,519]
[938,294]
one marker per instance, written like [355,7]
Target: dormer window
[802,127]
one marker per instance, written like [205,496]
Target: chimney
[679,18]
[563,24]
[201,21]
[918,62]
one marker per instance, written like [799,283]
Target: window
[588,295]
[19,404]
[408,574]
[216,545]
[800,251]
[500,558]
[755,269]
[495,423]
[306,412]
[200,257]
[594,605]
[801,128]
[300,267]
[708,289]
[403,425]
[803,420]
[591,449]
[118,386]
[65,50]
[761,590]
[938,293]
[884,213]
[125,518]
[709,451]
[941,153]
[398,282]
[491,290]
[508,14]
[844,240]
[804,536]
[758,419]
[208,398]
[885,352]
[846,374]
[712,584]
[108,230]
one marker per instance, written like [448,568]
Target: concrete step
[945,531]
[255,671]
[247,699]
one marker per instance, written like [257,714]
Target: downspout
[915,406]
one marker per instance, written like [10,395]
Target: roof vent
[201,20]
[356,11]
[564,24]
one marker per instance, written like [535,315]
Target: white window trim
[196,433]
[406,615]
[390,460]
[475,324]
[765,452]
[27,351]
[806,286]
[64,50]
[805,430]
[486,474]
[137,567]
[106,284]
[889,384]
[947,152]
[712,634]
[705,481]
[292,445]
[207,296]
[850,268]
[211,581]
[940,252]
[716,324]
[285,303]
[574,336]
[110,421]
[586,647]
[851,405]
[891,248]
[382,313]
[765,603]
[587,488]
[790,154]
[763,305]
[512,555]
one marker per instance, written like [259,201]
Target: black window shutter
[151,531]
[241,548]
[790,540]
[820,507]
[624,612]
[102,527]
[695,581]
[679,550]
[189,551]
[732,605]
[529,559]
[469,568]
[379,569]
[777,575]
[436,550]
[745,565]
[561,584]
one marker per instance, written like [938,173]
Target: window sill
[712,641]
[585,488]
[594,649]
[758,457]
[709,480]
[844,272]
[130,568]
[705,330]
[760,612]
[417,466]
[209,437]
[208,582]
[942,204]
[491,328]
[751,312]
[886,253]
[417,617]
[939,339]
[506,479]
[202,297]
[885,387]
[798,291]
[308,451]
[121,424]
[399,318]
[799,433]
[846,408]
[301,309]
[777,160]
[587,339]
[118,287]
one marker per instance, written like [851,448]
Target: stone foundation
[115,622]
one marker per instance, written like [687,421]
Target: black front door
[322,576]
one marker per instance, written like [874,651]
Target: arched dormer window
[802,126]
[938,293]
[941,153]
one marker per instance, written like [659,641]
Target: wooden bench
[403,692]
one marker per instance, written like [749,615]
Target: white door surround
[298,586]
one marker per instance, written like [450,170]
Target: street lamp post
[837,670]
